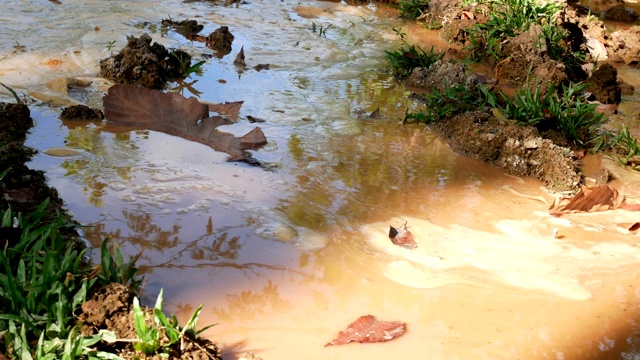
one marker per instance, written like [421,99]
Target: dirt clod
[517,149]
[220,40]
[603,85]
[81,112]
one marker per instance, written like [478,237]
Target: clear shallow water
[285,259]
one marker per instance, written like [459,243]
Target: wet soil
[24,190]
[519,150]
[145,64]
[526,151]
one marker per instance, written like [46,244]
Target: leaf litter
[368,329]
[173,114]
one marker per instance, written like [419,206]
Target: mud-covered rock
[625,45]
[620,13]
[220,40]
[529,52]
[81,112]
[519,150]
[185,28]
[15,119]
[603,85]
[138,63]
[103,304]
[439,75]
[145,64]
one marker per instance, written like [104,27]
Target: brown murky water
[284,259]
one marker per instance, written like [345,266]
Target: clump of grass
[562,111]
[44,279]
[114,269]
[41,280]
[451,101]
[622,144]
[164,333]
[510,18]
[412,9]
[409,57]
[182,64]
[322,31]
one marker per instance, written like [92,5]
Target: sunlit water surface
[284,259]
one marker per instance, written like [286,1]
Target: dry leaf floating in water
[402,237]
[368,329]
[598,198]
[171,113]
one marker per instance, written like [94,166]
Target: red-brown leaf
[402,237]
[367,329]
[231,109]
[171,113]
[599,198]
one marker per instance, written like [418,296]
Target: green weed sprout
[164,332]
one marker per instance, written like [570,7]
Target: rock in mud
[15,119]
[625,45]
[438,76]
[603,85]
[81,112]
[529,51]
[620,13]
[481,136]
[185,28]
[141,63]
[138,63]
[220,40]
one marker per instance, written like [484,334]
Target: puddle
[284,259]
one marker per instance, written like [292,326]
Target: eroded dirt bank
[587,53]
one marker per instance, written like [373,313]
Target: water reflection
[247,305]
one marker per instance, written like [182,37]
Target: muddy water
[284,259]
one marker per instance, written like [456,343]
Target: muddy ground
[528,151]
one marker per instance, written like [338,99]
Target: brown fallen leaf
[240,58]
[375,114]
[261,67]
[367,329]
[171,113]
[629,226]
[255,119]
[402,236]
[231,109]
[198,38]
[598,198]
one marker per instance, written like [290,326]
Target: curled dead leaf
[240,58]
[631,227]
[598,198]
[402,237]
[367,329]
